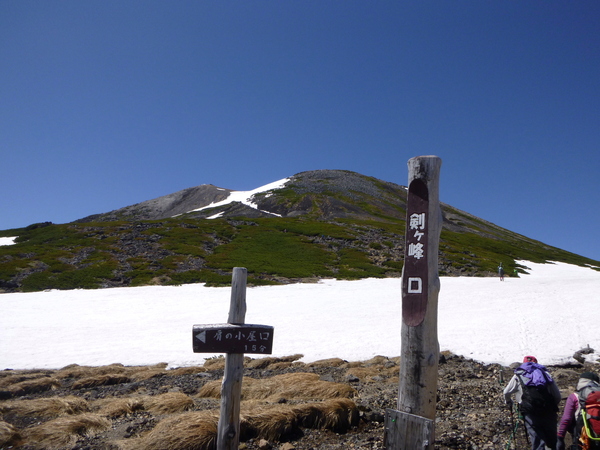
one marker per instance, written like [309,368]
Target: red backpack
[590,413]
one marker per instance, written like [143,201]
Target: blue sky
[104,104]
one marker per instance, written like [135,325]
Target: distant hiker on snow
[538,396]
[501,272]
[572,420]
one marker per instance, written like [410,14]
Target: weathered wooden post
[233,338]
[228,435]
[412,425]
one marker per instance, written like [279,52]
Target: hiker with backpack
[572,420]
[538,397]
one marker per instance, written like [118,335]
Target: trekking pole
[525,428]
[514,425]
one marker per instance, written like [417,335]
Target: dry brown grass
[374,369]
[68,418]
[9,436]
[340,414]
[263,363]
[118,407]
[137,373]
[218,363]
[187,431]
[141,375]
[331,362]
[352,364]
[373,373]
[168,403]
[336,414]
[162,404]
[268,422]
[62,432]
[198,430]
[76,371]
[45,407]
[294,385]
[291,385]
[273,422]
[187,370]
[33,386]
[377,361]
[9,377]
[101,380]
[215,363]
[284,365]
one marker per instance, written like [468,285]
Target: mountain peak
[324,193]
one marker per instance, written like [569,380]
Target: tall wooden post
[412,426]
[228,433]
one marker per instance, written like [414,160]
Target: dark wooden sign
[233,338]
[415,275]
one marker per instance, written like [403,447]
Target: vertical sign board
[415,278]
[412,425]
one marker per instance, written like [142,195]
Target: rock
[578,356]
[374,416]
[287,446]
[263,444]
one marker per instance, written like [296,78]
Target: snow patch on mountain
[7,240]
[246,197]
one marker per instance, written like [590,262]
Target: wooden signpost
[412,425]
[234,339]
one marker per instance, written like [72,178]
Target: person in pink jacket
[571,411]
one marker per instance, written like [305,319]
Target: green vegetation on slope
[70,256]
[274,250]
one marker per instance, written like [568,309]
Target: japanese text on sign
[233,338]
[416,248]
[414,276]
[417,224]
[250,336]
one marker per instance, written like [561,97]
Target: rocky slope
[166,206]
